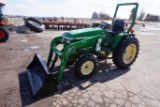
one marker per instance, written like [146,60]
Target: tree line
[101,16]
[148,17]
[142,16]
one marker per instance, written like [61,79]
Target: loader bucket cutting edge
[40,79]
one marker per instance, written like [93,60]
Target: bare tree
[151,17]
[104,16]
[101,15]
[141,15]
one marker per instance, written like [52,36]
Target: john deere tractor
[82,48]
[4,33]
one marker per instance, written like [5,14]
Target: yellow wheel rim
[87,67]
[129,53]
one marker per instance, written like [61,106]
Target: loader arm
[53,45]
[68,50]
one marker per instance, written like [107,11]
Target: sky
[73,8]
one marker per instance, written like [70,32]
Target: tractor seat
[118,27]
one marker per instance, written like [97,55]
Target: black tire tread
[6,34]
[79,63]
[32,26]
[118,52]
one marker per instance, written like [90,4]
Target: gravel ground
[109,87]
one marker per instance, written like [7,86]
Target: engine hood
[83,33]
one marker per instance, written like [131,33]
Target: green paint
[84,41]
[83,33]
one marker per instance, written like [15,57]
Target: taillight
[132,30]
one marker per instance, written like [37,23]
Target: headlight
[60,47]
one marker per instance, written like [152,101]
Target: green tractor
[82,48]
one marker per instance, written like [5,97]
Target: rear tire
[126,52]
[86,66]
[4,34]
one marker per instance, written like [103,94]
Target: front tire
[126,52]
[86,66]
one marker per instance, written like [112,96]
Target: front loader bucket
[40,79]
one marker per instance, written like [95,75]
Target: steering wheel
[105,25]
